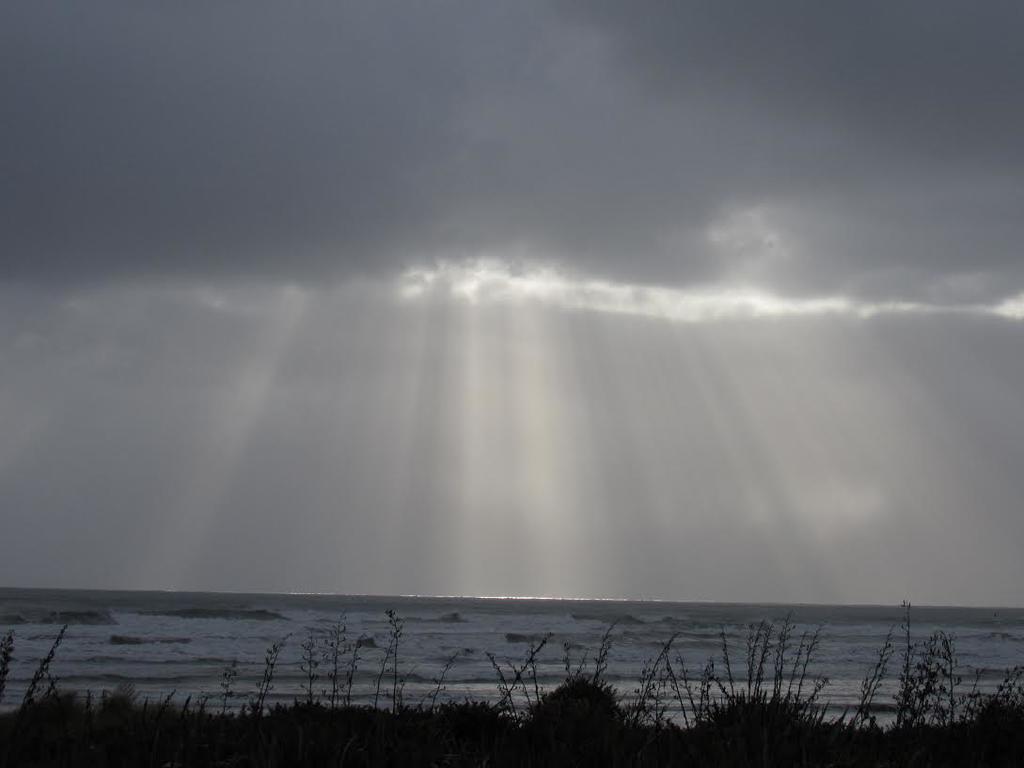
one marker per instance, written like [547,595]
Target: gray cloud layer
[870,149]
[211,378]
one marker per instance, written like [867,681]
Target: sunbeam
[184,534]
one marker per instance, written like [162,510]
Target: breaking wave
[243,614]
[132,640]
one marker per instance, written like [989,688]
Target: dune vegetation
[760,706]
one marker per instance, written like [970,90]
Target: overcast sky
[691,300]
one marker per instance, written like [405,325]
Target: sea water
[178,644]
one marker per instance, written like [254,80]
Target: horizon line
[524,598]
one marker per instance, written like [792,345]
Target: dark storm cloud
[892,133]
[881,143]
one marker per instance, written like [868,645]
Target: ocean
[178,644]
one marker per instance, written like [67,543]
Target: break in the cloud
[493,281]
[870,150]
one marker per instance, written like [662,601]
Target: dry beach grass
[758,705]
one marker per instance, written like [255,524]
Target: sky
[678,300]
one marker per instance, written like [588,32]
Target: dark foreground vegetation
[756,708]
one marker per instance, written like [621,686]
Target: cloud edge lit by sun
[495,281]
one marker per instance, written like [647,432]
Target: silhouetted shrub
[765,712]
